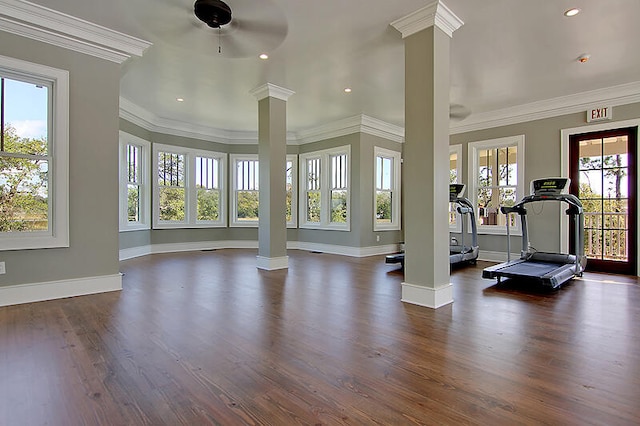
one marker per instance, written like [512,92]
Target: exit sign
[600,113]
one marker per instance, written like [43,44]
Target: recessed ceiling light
[264,56]
[180,99]
[572,12]
[584,58]
[347,90]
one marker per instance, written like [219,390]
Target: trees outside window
[135,193]
[324,189]
[387,190]
[496,169]
[189,187]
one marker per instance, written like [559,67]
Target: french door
[603,175]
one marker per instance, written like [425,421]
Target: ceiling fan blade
[458,112]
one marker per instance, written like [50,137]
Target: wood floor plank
[207,338]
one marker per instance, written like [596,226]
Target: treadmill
[547,269]
[458,253]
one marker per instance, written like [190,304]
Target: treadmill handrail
[570,199]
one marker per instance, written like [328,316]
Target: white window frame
[457,149]
[144,192]
[58,140]
[474,149]
[325,189]
[191,192]
[293,223]
[234,190]
[396,204]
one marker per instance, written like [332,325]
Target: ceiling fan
[242,28]
[253,32]
[458,112]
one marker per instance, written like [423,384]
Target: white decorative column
[427,34]
[272,155]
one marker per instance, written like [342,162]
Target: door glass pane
[616,147]
[590,154]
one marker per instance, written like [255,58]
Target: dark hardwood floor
[206,338]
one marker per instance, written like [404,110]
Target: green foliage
[133,203]
[248,204]
[313,206]
[208,204]
[172,204]
[383,207]
[339,206]
[23,184]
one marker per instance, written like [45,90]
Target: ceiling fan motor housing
[214,13]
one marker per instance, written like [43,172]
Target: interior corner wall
[542,159]
[93,169]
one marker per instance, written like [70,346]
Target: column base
[428,297]
[272,263]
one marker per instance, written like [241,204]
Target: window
[188,187]
[324,177]
[455,176]
[291,187]
[34,173]
[246,188]
[387,190]
[497,168]
[134,188]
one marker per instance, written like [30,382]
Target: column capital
[436,14]
[271,90]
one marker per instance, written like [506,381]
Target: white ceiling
[508,53]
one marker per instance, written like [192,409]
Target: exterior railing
[606,235]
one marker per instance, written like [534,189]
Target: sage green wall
[93,169]
[542,159]
[362,160]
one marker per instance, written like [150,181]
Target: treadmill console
[550,186]
[455,191]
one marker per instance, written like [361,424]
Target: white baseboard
[343,250]
[433,298]
[291,245]
[272,263]
[496,256]
[37,292]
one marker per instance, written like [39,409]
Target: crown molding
[347,126]
[271,90]
[39,23]
[357,124]
[614,96]
[435,14]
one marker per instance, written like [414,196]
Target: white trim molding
[272,263]
[436,14]
[565,134]
[133,252]
[271,90]
[37,292]
[40,23]
[623,94]
[428,297]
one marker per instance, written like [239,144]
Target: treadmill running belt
[531,269]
